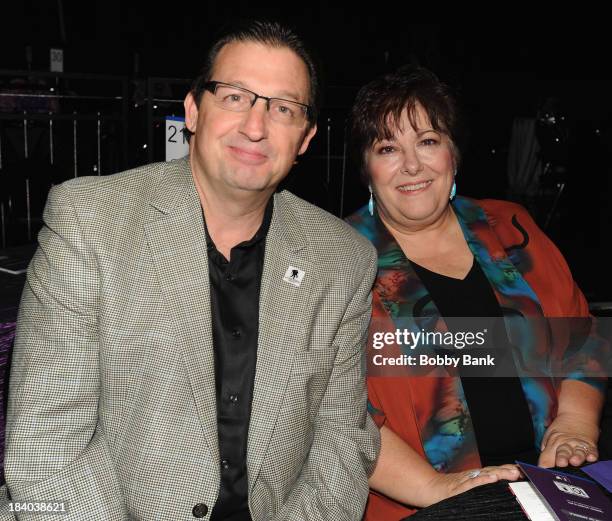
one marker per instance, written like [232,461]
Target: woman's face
[411,175]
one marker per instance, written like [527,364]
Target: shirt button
[229,277]
[200,510]
[225,464]
[236,333]
[233,398]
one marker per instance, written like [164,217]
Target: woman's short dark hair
[379,106]
[268,33]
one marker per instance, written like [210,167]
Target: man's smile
[244,155]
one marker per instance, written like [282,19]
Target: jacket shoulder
[326,231]
[126,184]
[498,210]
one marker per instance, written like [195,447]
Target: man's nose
[254,123]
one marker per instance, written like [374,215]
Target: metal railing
[59,125]
[54,126]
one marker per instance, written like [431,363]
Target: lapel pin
[294,276]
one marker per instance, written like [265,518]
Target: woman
[441,255]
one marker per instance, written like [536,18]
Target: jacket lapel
[177,240]
[513,293]
[282,308]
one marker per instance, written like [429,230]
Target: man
[189,342]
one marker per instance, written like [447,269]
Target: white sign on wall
[176,144]
[56,59]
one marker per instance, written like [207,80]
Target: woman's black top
[498,408]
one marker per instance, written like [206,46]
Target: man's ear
[191,112]
[309,135]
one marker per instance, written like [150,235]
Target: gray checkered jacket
[112,389]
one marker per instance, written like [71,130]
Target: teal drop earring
[371,201]
[453,191]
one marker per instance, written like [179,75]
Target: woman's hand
[402,474]
[569,440]
[443,486]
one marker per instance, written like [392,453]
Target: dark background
[499,72]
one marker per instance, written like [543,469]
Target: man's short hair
[270,33]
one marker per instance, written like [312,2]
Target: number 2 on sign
[174,130]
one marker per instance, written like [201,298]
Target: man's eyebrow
[237,83]
[284,94]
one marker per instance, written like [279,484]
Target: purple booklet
[569,497]
[601,472]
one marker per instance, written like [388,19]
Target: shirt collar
[260,234]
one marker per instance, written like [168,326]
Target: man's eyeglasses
[237,99]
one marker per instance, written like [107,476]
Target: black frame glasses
[211,86]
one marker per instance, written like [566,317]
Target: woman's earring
[453,191]
[371,201]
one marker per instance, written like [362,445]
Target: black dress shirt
[234,296]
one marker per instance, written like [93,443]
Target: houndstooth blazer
[112,390]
